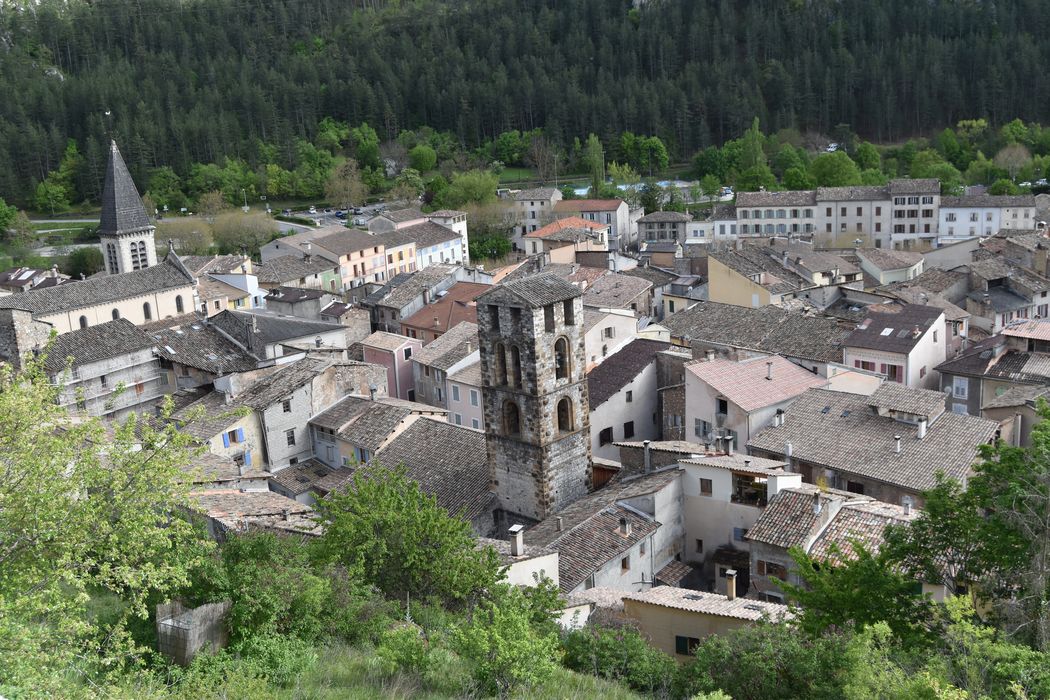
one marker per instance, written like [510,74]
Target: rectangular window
[960,387]
[609,332]
[408,353]
[701,428]
[768,568]
[458,418]
[705,487]
[855,487]
[455,392]
[628,430]
[102,379]
[722,407]
[625,564]
[685,646]
[739,533]
[629,396]
[699,546]
[474,424]
[289,436]
[286,406]
[473,397]
[860,211]
[605,437]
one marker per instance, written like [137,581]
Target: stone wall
[20,335]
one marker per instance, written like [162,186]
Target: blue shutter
[225,439]
[240,434]
[247,458]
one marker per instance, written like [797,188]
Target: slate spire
[122,209]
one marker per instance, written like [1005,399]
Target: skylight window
[886,331]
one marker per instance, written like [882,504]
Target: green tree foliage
[237,232]
[710,186]
[788,157]
[798,179]
[855,590]
[401,541]
[834,170]
[622,655]
[84,261]
[1004,186]
[331,134]
[473,187]
[510,148]
[51,197]
[7,216]
[593,158]
[165,188]
[85,513]
[344,186]
[408,185]
[753,154]
[365,143]
[423,158]
[757,178]
[313,170]
[867,157]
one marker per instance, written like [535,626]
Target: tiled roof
[746,385]
[168,274]
[207,416]
[672,217]
[95,343]
[290,268]
[589,536]
[790,519]
[862,522]
[348,241]
[411,286]
[753,264]
[278,386]
[988,200]
[620,369]
[536,291]
[656,276]
[502,548]
[1017,396]
[711,604]
[853,193]
[616,291]
[309,475]
[336,309]
[362,422]
[934,279]
[919,295]
[536,193]
[996,268]
[897,397]
[1019,366]
[885,259]
[736,462]
[766,329]
[291,295]
[237,510]
[429,234]
[209,288]
[799,198]
[1036,329]
[840,431]
[590,205]
[448,461]
[973,361]
[400,216]
[219,264]
[572,224]
[450,348]
[122,208]
[922,185]
[807,257]
[202,347]
[277,328]
[446,213]
[660,246]
[449,309]
[894,328]
[386,341]
[210,468]
[469,375]
[673,573]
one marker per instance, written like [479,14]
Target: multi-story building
[623,232]
[915,207]
[776,213]
[531,210]
[983,215]
[664,226]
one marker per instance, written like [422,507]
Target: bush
[621,655]
[279,659]
[403,647]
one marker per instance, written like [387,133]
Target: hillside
[196,80]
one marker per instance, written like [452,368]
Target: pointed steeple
[122,209]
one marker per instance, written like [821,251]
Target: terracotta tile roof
[536,193]
[399,216]
[746,384]
[711,604]
[790,520]
[469,375]
[1036,329]
[362,422]
[885,259]
[840,431]
[570,223]
[502,548]
[674,573]
[429,234]
[934,279]
[893,396]
[861,522]
[105,341]
[620,369]
[207,416]
[616,291]
[450,309]
[1017,396]
[278,386]
[988,200]
[921,185]
[239,510]
[308,475]
[589,205]
[202,347]
[210,468]
[387,341]
[799,198]
[291,268]
[756,265]
[672,217]
[347,241]
[536,291]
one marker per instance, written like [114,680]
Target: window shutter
[240,434]
[247,458]
[225,439]
[882,368]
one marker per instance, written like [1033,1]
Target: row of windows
[147,312]
[777,214]
[605,436]
[512,417]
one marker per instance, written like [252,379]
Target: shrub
[622,655]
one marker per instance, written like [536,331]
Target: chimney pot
[907,507]
[817,505]
[788,447]
[648,464]
[286,513]
[729,446]
[897,439]
[558,523]
[625,527]
[731,584]
[922,429]
[517,540]
[769,370]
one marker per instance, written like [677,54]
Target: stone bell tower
[124,229]
[537,429]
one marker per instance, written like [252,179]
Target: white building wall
[617,411]
[467,410]
[598,344]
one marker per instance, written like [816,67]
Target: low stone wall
[184,632]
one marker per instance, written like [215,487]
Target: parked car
[340,215]
[1024,184]
[359,210]
[312,210]
[832,147]
[286,212]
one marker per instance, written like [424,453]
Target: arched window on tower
[515,366]
[147,313]
[561,359]
[116,314]
[178,304]
[83,322]
[511,419]
[565,416]
[500,358]
[111,259]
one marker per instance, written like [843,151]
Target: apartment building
[983,215]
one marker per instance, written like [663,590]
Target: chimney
[769,370]
[729,445]
[731,584]
[286,513]
[817,505]
[255,324]
[318,341]
[907,508]
[648,461]
[426,297]
[54,271]
[710,355]
[922,429]
[558,523]
[517,540]
[625,527]
[437,323]
[897,438]
[306,250]
[788,447]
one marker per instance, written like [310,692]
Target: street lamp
[245,196]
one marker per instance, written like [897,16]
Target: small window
[83,322]
[473,397]
[629,396]
[178,304]
[561,359]
[605,437]
[722,407]
[569,312]
[565,423]
[102,379]
[628,430]
[625,564]
[685,646]
[548,318]
[511,419]
[855,487]
[455,392]
[116,314]
[739,534]
[289,436]
[286,406]
[408,353]
[705,487]
[699,546]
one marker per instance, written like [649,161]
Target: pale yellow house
[676,620]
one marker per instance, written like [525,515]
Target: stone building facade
[535,394]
